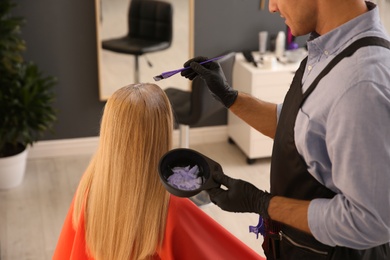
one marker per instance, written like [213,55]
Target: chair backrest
[150,19]
[203,104]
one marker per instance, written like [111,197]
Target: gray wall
[61,39]
[233,25]
[222,25]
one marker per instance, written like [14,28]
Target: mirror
[117,70]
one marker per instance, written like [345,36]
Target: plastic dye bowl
[182,157]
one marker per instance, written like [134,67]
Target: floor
[31,215]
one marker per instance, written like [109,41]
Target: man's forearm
[259,114]
[291,212]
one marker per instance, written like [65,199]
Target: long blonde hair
[126,204]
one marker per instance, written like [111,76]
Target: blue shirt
[343,133]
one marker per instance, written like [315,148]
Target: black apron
[290,177]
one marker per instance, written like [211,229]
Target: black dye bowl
[182,157]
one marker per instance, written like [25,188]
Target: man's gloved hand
[215,79]
[240,196]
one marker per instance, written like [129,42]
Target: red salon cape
[189,234]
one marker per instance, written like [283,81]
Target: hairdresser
[330,167]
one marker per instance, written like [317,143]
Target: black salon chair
[149,30]
[192,106]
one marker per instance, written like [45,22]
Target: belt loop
[275,243]
[272,238]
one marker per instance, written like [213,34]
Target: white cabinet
[266,84]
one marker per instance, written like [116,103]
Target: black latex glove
[240,196]
[215,79]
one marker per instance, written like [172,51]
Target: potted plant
[26,98]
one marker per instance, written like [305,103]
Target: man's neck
[335,13]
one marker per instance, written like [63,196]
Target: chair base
[184,136]
[136,69]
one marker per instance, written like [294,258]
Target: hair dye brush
[168,74]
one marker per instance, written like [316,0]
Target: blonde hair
[126,204]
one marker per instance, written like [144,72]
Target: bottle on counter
[280,44]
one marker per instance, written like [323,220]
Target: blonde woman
[121,210]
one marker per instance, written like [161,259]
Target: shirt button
[326,53]
[309,67]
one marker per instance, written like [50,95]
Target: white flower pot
[12,170]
